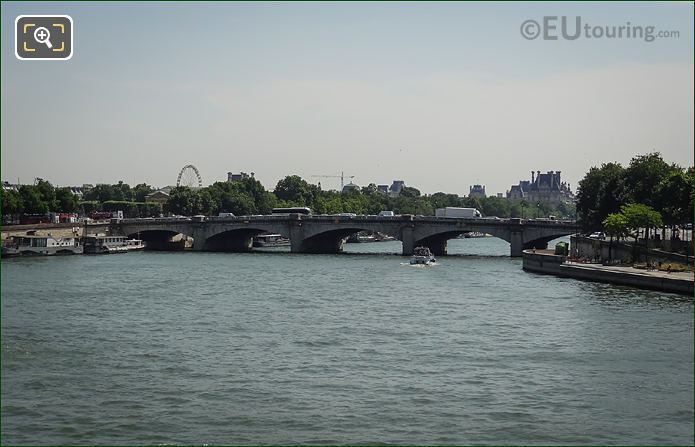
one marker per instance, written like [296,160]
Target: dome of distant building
[351,187]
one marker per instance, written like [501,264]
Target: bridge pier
[408,240]
[199,238]
[516,241]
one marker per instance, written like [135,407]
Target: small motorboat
[422,256]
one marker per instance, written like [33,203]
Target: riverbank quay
[55,229]
[546,262]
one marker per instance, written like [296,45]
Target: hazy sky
[439,95]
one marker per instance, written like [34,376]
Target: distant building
[159,196]
[351,187]
[396,188]
[231,177]
[477,191]
[7,186]
[500,195]
[546,188]
[383,189]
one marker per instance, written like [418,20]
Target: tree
[263,202]
[184,201]
[409,191]
[673,197]
[615,225]
[601,192]
[32,200]
[238,202]
[48,194]
[100,193]
[370,190]
[640,216]
[11,202]
[643,176]
[140,192]
[65,201]
[294,189]
[122,191]
[523,205]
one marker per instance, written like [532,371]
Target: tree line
[248,196]
[648,180]
[42,198]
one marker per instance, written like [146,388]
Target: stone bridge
[326,233]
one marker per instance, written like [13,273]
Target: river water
[269,348]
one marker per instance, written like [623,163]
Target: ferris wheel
[189,176]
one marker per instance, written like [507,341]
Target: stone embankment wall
[585,248]
[548,263]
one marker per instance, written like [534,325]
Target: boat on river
[422,256]
[37,245]
[270,240]
[103,244]
[134,244]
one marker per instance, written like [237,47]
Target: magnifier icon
[42,35]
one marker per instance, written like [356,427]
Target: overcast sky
[439,95]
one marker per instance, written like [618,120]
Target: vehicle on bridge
[452,211]
[298,210]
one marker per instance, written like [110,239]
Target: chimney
[533,178]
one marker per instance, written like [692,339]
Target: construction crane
[341,177]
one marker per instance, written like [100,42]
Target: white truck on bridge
[452,211]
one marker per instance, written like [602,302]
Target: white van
[386,213]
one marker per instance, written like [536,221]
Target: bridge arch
[161,239]
[331,240]
[436,238]
[236,239]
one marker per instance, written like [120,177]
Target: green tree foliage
[65,201]
[183,201]
[130,209]
[408,191]
[295,190]
[32,200]
[11,202]
[673,196]
[640,216]
[601,192]
[616,225]
[643,177]
[48,194]
[140,192]
[648,180]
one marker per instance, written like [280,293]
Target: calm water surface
[269,348]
